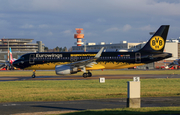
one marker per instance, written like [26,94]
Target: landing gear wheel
[85,75]
[89,74]
[34,74]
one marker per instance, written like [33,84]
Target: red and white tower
[79,36]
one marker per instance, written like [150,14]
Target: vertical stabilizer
[157,42]
[10,53]
[11,57]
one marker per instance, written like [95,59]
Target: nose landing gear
[34,74]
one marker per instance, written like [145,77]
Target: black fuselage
[110,60]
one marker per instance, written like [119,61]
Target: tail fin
[157,42]
[11,57]
[10,53]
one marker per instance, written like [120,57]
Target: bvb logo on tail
[157,43]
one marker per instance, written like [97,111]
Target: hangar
[19,46]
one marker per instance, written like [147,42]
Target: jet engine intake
[64,69]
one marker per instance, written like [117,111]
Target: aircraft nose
[16,64]
[19,64]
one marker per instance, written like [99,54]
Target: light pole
[84,45]
[8,48]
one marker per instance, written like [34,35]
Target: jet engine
[65,69]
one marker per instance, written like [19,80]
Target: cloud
[34,33]
[3,22]
[49,33]
[90,34]
[27,26]
[55,18]
[94,7]
[101,20]
[127,27]
[112,29]
[148,28]
[87,24]
[66,32]
[43,26]
[150,7]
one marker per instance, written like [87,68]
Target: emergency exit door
[138,57]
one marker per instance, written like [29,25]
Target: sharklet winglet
[99,53]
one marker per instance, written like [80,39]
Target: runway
[31,107]
[89,78]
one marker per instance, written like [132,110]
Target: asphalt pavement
[69,77]
[78,105]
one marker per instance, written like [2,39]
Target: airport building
[19,46]
[123,46]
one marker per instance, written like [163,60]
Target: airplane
[72,62]
[10,62]
[175,62]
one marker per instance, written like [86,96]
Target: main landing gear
[85,75]
[34,74]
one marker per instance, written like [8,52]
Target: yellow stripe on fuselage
[100,65]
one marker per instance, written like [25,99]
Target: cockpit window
[21,58]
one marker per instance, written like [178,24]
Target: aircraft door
[31,58]
[138,57]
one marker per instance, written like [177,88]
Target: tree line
[57,49]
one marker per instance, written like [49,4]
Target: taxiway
[89,78]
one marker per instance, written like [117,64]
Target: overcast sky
[54,21]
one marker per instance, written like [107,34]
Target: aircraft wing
[87,62]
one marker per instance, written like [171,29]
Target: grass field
[61,90]
[105,72]
[129,111]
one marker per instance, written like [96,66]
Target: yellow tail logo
[157,43]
